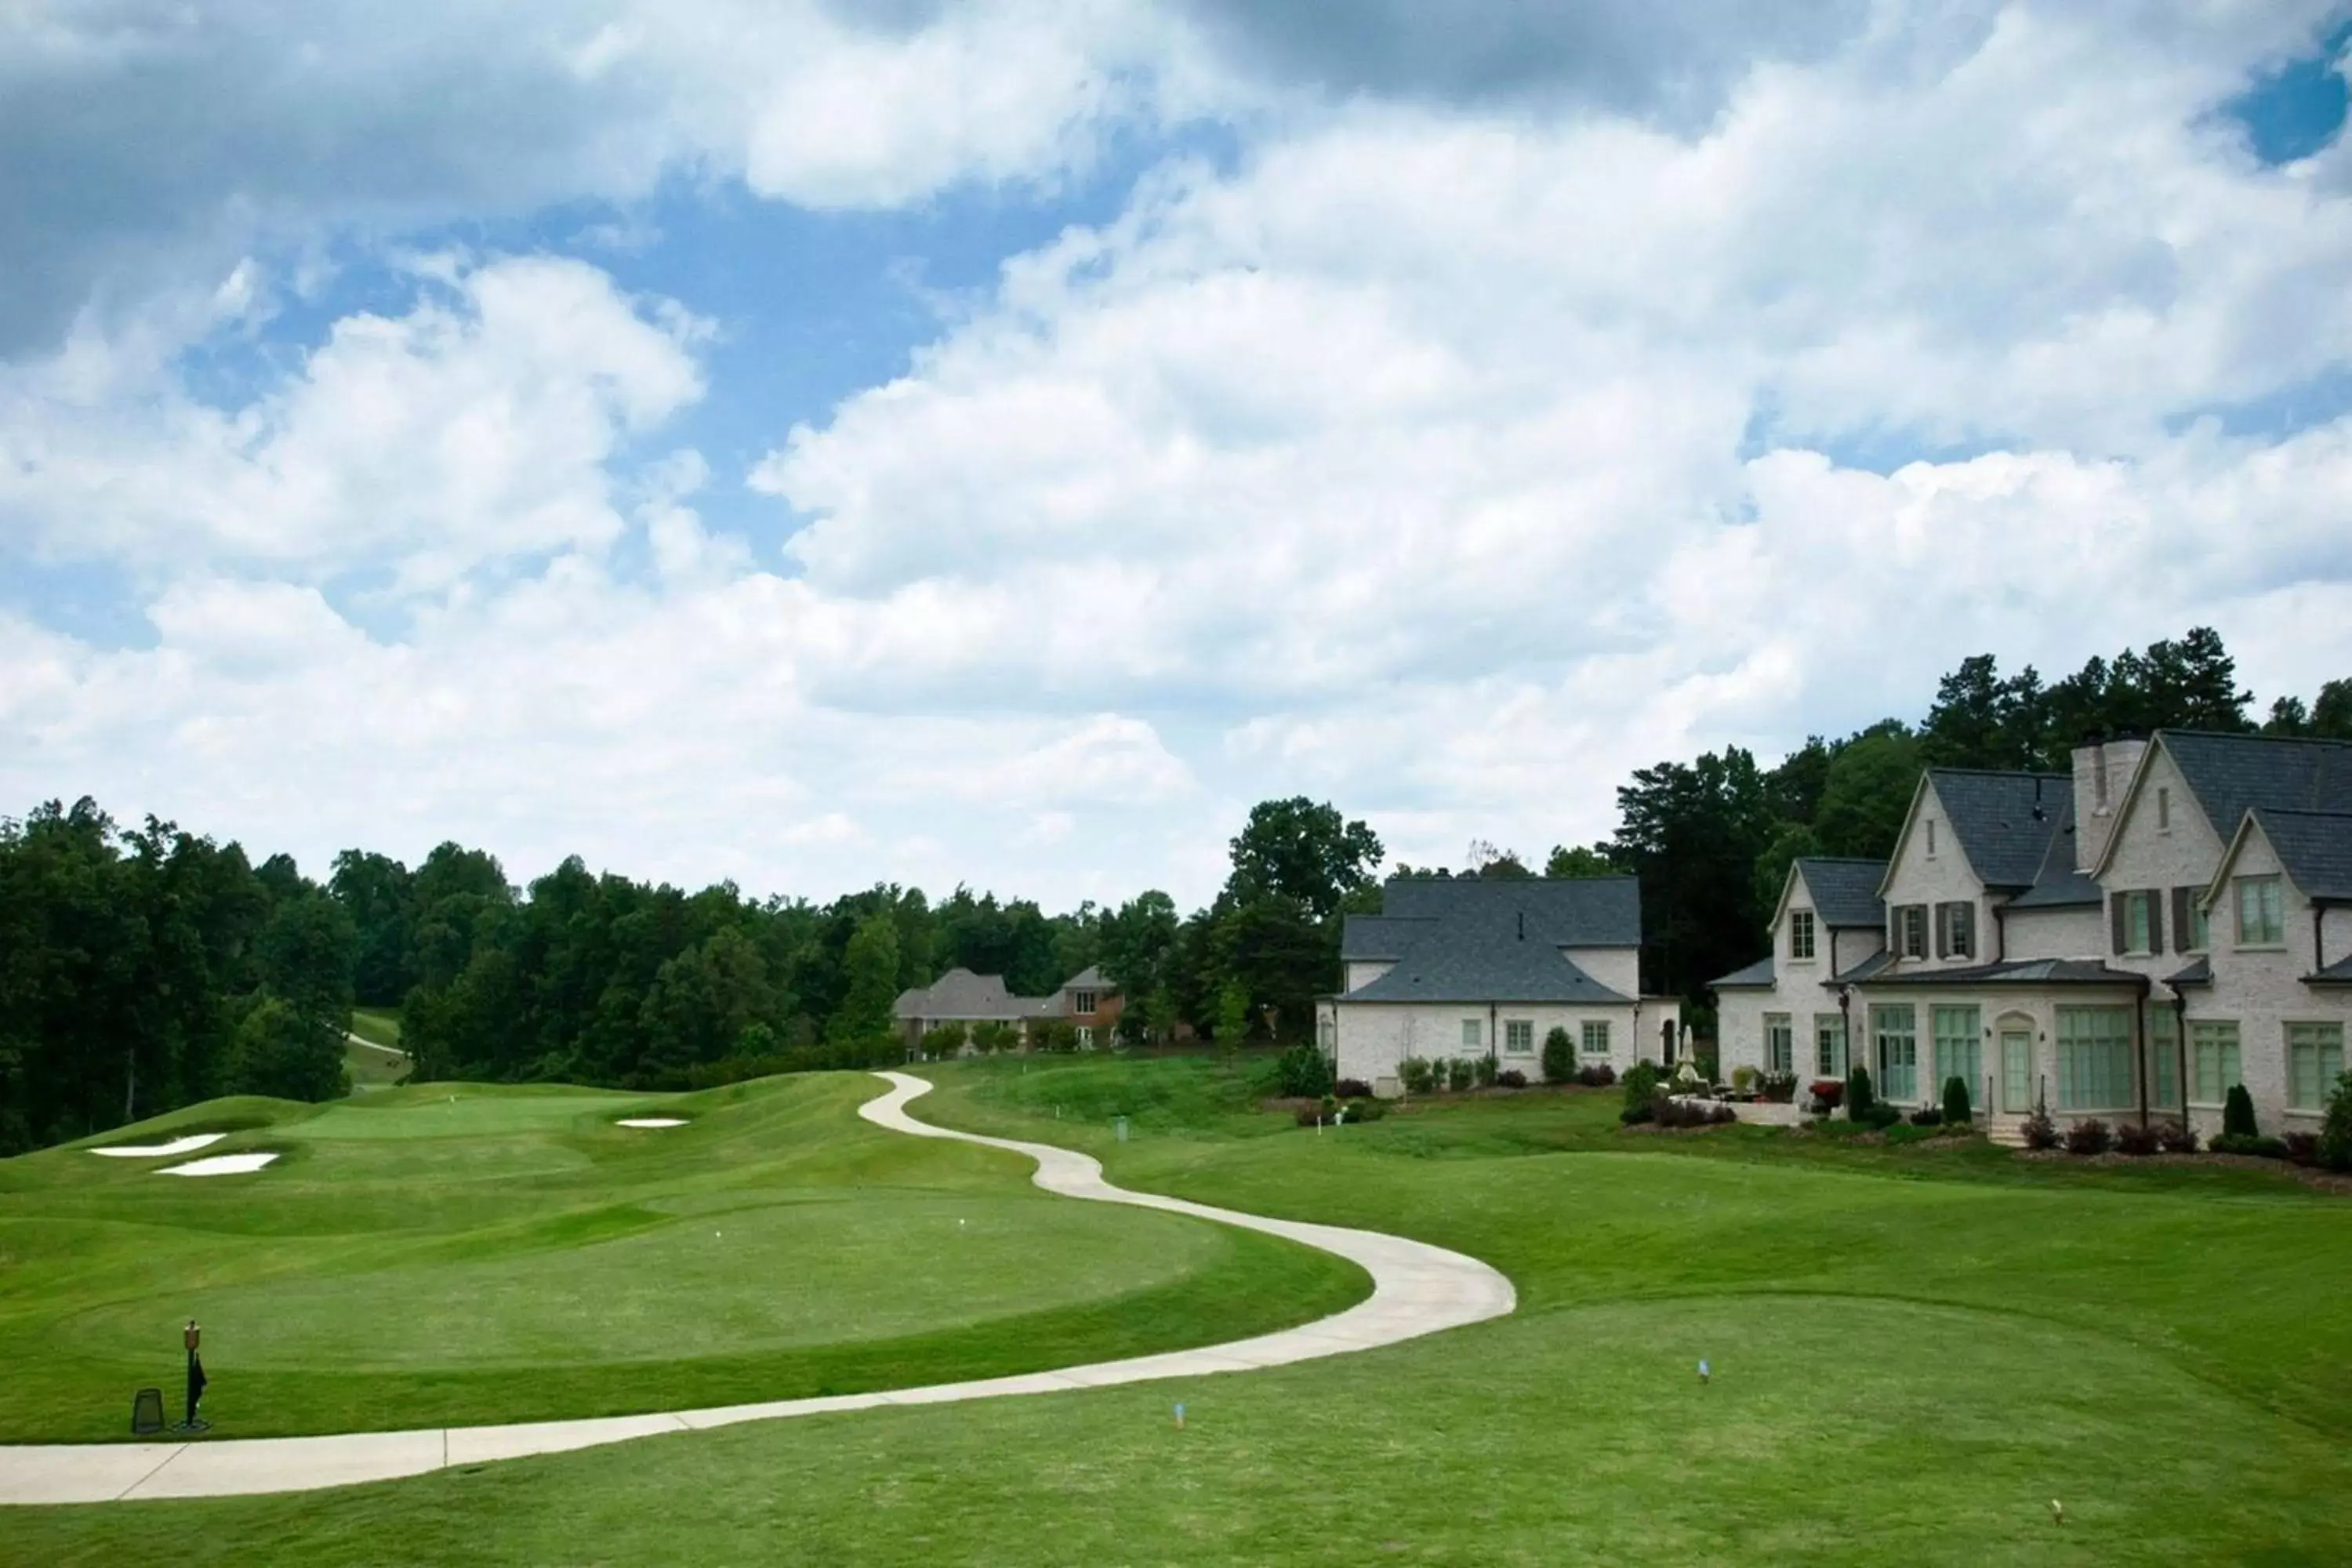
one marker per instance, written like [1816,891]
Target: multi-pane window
[1829,1046]
[2095,1058]
[2261,916]
[1519,1037]
[2188,914]
[1959,1053]
[1911,926]
[1082,1003]
[1955,929]
[2315,1059]
[1780,1043]
[1473,1039]
[1596,1037]
[1800,933]
[2163,1059]
[2212,1061]
[1895,1028]
[2139,921]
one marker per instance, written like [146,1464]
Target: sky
[814,444]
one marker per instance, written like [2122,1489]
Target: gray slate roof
[1475,941]
[2316,848]
[1864,969]
[2232,775]
[1845,892]
[959,995]
[1758,974]
[2200,973]
[1090,978]
[2337,974]
[2057,885]
[2005,822]
[2023,972]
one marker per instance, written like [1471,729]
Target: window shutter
[1943,930]
[2118,930]
[2180,919]
[2155,921]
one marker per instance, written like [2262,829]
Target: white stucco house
[1462,967]
[2125,942]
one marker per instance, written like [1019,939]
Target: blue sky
[817,445]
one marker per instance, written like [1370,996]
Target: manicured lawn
[456,1254]
[376,1027]
[1914,1351]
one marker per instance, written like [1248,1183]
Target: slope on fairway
[452,1254]
[1910,1362]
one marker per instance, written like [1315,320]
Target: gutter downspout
[2001,929]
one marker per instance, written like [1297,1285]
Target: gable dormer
[1970,841]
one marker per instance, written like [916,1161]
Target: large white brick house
[1475,968]
[2159,919]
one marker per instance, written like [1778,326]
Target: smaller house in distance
[1470,968]
[1092,1004]
[961,997]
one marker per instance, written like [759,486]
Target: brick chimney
[2103,771]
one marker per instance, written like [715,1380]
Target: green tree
[283,1051]
[870,970]
[1574,861]
[2331,715]
[1300,851]
[1868,792]
[1232,1016]
[1692,833]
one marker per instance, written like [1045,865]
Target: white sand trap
[188,1145]
[220,1165]
[650,1122]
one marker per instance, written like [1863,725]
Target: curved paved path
[1416,1290]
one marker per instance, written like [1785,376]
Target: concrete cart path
[1416,1290]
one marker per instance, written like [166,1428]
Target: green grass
[376,1027]
[453,1253]
[1914,1349]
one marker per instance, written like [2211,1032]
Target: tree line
[143,969]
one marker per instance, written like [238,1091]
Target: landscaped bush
[1956,1101]
[1827,1093]
[2302,1148]
[1510,1077]
[1881,1115]
[1858,1096]
[1352,1088]
[1484,1071]
[1301,1073]
[1418,1076]
[2336,1132]
[1596,1075]
[2259,1146]
[1641,1093]
[1460,1073]
[943,1042]
[2131,1138]
[1927,1116]
[1674,1112]
[1743,1081]
[2238,1114]
[2176,1138]
[1779,1088]
[2089,1137]
[1558,1056]
[2040,1131]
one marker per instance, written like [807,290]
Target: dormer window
[1800,933]
[1911,931]
[1931,838]
[2262,918]
[2163,809]
[1082,1003]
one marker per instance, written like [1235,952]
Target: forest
[145,968]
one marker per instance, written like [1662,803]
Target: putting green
[450,1255]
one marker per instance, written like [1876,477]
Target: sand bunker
[220,1165]
[188,1145]
[650,1122]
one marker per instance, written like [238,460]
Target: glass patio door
[2016,1071]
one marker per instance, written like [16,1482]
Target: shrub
[1418,1076]
[1301,1072]
[2176,1138]
[943,1042]
[2040,1131]
[1827,1093]
[1927,1116]
[1511,1078]
[1672,1112]
[1484,1071]
[1743,1081]
[2336,1132]
[2259,1146]
[1558,1056]
[2131,1138]
[1641,1093]
[1596,1075]
[1956,1101]
[1858,1096]
[1460,1073]
[2238,1114]
[2302,1148]
[1352,1088]
[2088,1137]
[1366,1110]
